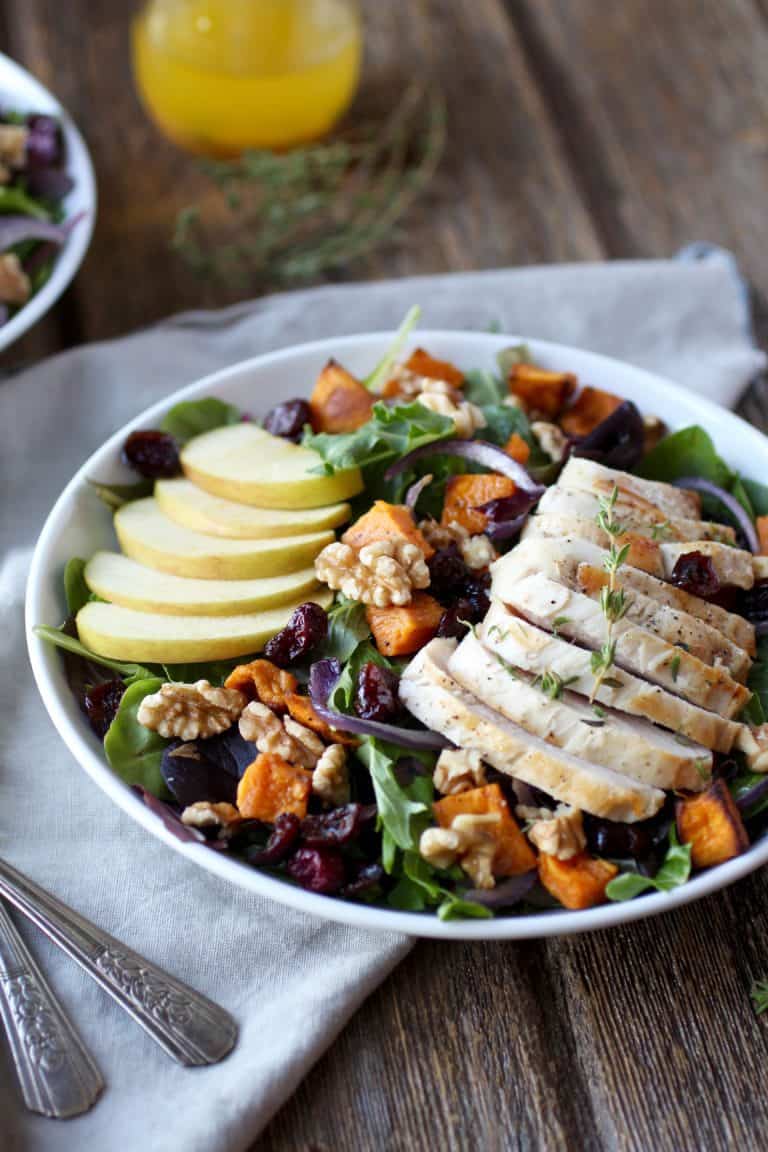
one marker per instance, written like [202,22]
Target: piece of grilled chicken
[434,697]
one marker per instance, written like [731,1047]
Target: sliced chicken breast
[549,604]
[733,566]
[644,552]
[432,695]
[630,746]
[525,646]
[647,520]
[579,565]
[652,495]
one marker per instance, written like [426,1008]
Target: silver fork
[188,1026]
[56,1074]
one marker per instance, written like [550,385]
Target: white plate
[21,92]
[79,524]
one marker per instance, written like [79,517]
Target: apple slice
[149,637]
[122,581]
[243,462]
[148,536]
[195,508]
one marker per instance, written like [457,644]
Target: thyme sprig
[612,597]
[300,214]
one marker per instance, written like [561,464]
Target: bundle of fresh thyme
[612,599]
[298,215]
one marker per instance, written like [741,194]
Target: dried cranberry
[376,696]
[470,608]
[336,827]
[754,603]
[695,573]
[610,838]
[152,453]
[317,869]
[284,834]
[306,629]
[367,879]
[101,703]
[447,573]
[288,419]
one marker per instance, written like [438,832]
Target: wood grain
[576,131]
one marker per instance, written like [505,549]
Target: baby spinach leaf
[381,373]
[758,682]
[758,496]
[483,388]
[509,357]
[130,672]
[674,871]
[76,590]
[347,626]
[115,495]
[690,452]
[396,808]
[454,908]
[133,751]
[192,417]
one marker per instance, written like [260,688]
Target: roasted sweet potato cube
[269,786]
[577,883]
[303,712]
[422,364]
[711,823]
[464,494]
[401,631]
[514,854]
[542,392]
[262,680]
[518,448]
[589,409]
[762,534]
[339,402]
[386,522]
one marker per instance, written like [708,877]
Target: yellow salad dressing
[219,76]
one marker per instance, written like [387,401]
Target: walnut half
[191,711]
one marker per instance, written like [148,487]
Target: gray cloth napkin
[292,981]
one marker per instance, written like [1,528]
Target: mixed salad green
[34,183]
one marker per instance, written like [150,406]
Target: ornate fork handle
[190,1028]
[56,1074]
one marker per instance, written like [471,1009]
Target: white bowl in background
[20,91]
[79,524]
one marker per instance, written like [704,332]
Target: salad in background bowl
[47,200]
[542,714]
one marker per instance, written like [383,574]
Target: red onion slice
[476,451]
[14,229]
[323,676]
[506,893]
[752,795]
[699,484]
[415,490]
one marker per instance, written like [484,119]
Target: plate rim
[540,925]
[84,192]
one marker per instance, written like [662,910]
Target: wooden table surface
[578,130]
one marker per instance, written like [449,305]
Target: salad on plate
[440,640]
[34,183]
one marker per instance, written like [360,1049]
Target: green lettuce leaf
[347,627]
[130,672]
[396,808]
[193,417]
[674,871]
[690,452]
[76,590]
[133,751]
[115,495]
[383,370]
